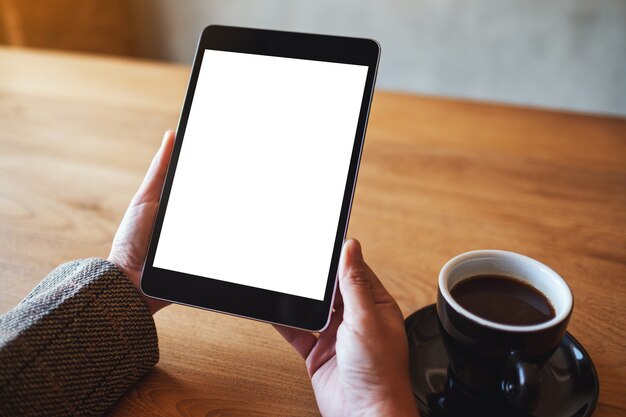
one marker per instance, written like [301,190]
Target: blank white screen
[262,170]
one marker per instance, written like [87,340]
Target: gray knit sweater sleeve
[75,344]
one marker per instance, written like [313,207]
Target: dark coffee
[503,300]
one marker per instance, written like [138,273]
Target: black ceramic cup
[493,360]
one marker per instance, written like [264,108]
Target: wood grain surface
[438,177]
[102,26]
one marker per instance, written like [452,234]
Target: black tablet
[256,201]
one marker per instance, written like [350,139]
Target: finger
[355,282]
[338,302]
[379,292]
[150,189]
[324,349]
[302,341]
[330,332]
[359,285]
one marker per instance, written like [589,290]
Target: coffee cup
[492,358]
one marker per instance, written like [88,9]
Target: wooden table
[438,177]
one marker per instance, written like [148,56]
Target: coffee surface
[503,300]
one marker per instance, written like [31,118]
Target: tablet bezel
[242,300]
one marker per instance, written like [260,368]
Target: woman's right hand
[359,366]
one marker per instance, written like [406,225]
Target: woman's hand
[130,244]
[359,366]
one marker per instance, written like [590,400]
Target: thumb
[355,282]
[150,188]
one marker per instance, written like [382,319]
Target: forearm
[76,343]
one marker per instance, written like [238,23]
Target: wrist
[153,304]
[398,402]
[405,407]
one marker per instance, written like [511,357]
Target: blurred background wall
[564,54]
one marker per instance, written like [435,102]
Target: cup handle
[520,382]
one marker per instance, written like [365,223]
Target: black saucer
[569,382]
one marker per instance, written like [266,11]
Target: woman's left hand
[130,244]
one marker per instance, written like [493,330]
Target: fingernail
[353,249]
[165,136]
